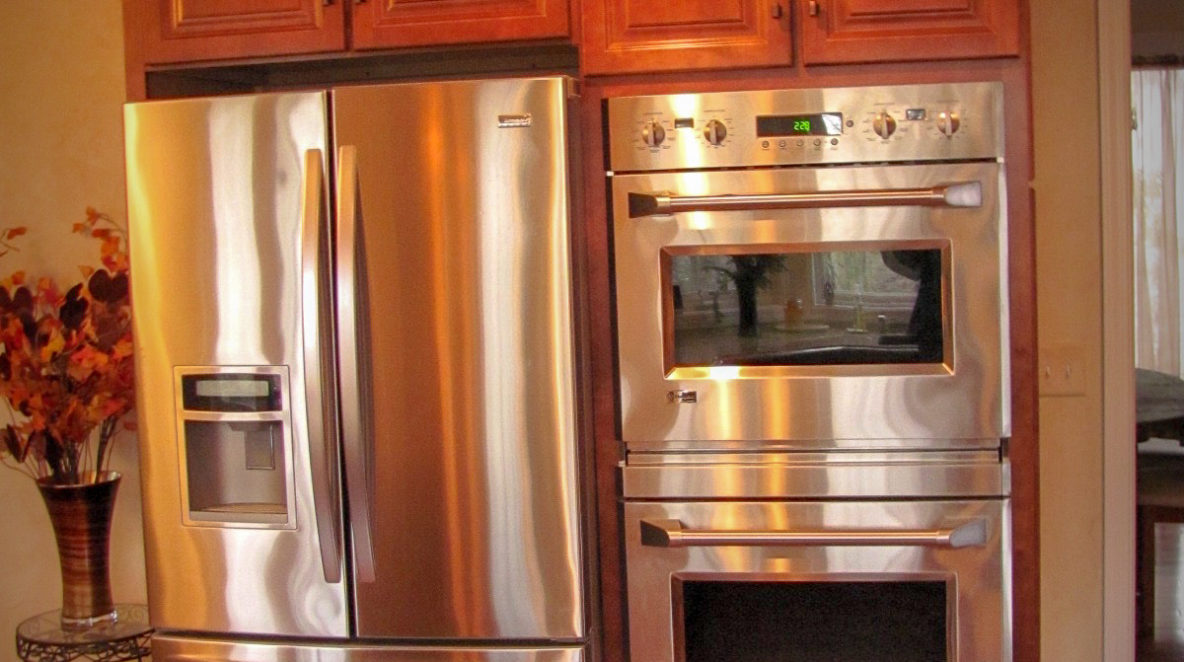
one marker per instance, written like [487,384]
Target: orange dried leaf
[113,406]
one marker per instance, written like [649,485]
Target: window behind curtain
[1157,154]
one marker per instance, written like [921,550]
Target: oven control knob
[948,122]
[884,124]
[715,132]
[653,134]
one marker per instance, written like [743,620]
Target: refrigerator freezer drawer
[181,649]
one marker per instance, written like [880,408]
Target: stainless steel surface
[356,360]
[961,121]
[960,401]
[319,353]
[454,344]
[466,251]
[749,463]
[672,533]
[214,205]
[978,576]
[845,474]
[170,648]
[968,194]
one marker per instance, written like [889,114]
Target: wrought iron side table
[42,639]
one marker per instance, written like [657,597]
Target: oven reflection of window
[743,621]
[835,307]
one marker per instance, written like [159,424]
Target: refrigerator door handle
[318,341]
[353,333]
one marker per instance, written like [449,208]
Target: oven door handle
[670,533]
[964,194]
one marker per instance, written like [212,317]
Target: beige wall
[1069,307]
[61,150]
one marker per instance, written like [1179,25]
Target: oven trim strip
[906,479]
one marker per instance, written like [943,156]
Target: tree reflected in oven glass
[806,308]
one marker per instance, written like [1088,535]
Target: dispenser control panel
[232,392]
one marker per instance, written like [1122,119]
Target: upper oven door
[824,307]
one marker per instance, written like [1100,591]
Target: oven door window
[841,305]
[812,621]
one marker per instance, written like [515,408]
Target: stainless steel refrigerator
[356,373]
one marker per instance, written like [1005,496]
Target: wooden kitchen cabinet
[626,36]
[851,31]
[194,30]
[395,23]
[177,31]
[631,36]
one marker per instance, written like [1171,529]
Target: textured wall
[61,150]
[1069,309]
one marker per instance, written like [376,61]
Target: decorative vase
[81,518]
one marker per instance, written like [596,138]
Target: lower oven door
[835,581]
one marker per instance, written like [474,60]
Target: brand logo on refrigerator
[514,121]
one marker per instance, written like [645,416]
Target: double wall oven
[812,342]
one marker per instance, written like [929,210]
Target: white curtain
[1157,150]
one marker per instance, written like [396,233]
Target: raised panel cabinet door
[192,30]
[394,23]
[625,36]
[839,31]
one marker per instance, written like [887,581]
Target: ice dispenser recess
[235,432]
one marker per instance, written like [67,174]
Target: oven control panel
[899,123]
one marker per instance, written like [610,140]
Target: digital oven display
[817,124]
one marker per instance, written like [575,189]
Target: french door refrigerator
[356,372]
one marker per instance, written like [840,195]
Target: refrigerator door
[460,430]
[228,236]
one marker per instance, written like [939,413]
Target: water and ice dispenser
[235,432]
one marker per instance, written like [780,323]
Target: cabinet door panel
[189,30]
[836,31]
[393,23]
[640,35]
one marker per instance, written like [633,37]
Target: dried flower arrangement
[67,363]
